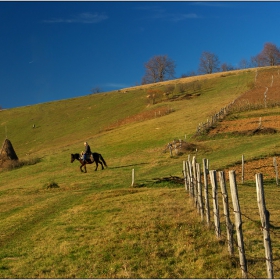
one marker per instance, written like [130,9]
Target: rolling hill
[94,225]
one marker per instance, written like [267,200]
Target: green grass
[57,222]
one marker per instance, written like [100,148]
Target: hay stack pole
[7,151]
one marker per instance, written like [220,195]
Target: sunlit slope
[68,122]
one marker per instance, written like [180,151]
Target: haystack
[7,151]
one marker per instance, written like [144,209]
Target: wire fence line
[194,185]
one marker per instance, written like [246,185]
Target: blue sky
[59,50]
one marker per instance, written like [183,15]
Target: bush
[51,185]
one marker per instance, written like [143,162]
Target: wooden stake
[264,214]
[238,223]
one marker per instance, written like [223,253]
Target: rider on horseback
[86,152]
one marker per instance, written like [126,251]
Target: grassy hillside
[95,225]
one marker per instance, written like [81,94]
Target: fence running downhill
[199,194]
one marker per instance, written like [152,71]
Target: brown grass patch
[143,116]
[252,167]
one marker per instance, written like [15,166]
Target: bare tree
[226,67]
[159,68]
[257,61]
[209,63]
[243,64]
[95,90]
[270,54]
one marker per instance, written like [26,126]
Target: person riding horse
[87,151]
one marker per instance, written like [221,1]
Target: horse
[97,158]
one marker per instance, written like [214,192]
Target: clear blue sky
[59,50]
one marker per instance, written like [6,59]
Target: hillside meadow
[57,222]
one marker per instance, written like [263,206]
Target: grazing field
[56,222]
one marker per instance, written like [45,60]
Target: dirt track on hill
[266,89]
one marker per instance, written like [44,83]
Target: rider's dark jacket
[87,150]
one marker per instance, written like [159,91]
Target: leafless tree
[159,68]
[95,90]
[257,61]
[270,54]
[243,64]
[226,67]
[209,63]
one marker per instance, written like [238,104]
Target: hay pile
[7,153]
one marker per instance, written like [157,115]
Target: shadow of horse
[97,158]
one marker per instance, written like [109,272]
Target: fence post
[207,208]
[276,169]
[191,180]
[238,223]
[195,181]
[213,179]
[185,175]
[170,149]
[188,176]
[132,184]
[199,190]
[229,225]
[264,214]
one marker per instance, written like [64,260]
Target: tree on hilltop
[209,63]
[158,69]
[269,56]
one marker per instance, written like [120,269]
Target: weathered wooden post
[133,178]
[195,181]
[276,169]
[229,225]
[264,214]
[199,191]
[238,223]
[170,149]
[185,175]
[213,179]
[191,179]
[206,197]
[188,176]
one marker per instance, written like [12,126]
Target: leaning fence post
[213,178]
[194,180]
[207,208]
[238,223]
[191,180]
[199,190]
[185,175]
[188,176]
[229,225]
[264,214]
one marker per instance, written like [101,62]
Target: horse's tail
[103,160]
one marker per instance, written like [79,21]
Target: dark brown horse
[97,158]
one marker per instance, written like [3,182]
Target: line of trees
[162,68]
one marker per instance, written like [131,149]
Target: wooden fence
[198,190]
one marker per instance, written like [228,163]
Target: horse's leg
[96,163]
[81,168]
[101,164]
